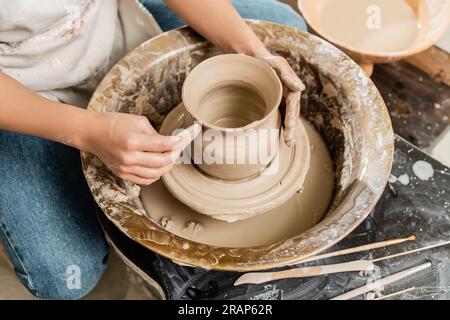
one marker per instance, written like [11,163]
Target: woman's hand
[239,38]
[131,148]
[293,92]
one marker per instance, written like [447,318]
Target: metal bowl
[340,101]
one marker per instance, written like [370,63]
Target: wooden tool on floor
[382,282]
[357,265]
[362,248]
[262,277]
[436,245]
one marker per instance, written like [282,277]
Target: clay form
[300,213]
[233,201]
[234,94]
[382,282]
[362,248]
[377,31]
[262,277]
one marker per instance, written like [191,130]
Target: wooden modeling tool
[187,137]
[362,248]
[382,282]
[262,277]
[436,245]
[359,265]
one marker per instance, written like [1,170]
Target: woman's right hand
[131,148]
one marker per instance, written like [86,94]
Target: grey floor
[117,283]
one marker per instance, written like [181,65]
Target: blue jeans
[47,215]
[270,10]
[47,218]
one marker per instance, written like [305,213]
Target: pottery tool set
[358,265]
[331,222]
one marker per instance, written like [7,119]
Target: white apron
[63,48]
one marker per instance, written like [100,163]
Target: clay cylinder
[235,98]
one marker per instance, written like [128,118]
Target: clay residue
[423,170]
[165,222]
[192,227]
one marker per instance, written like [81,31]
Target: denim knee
[57,271]
[61,279]
[270,10]
[47,218]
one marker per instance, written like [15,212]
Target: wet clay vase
[231,201]
[340,101]
[234,97]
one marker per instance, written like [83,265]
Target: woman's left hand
[293,91]
[239,38]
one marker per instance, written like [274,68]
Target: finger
[290,79]
[292,109]
[153,159]
[299,109]
[138,180]
[291,118]
[148,173]
[286,73]
[157,143]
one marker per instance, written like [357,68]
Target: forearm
[24,111]
[219,22]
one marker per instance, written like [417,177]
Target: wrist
[251,48]
[87,128]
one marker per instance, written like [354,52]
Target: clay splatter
[404,179]
[423,170]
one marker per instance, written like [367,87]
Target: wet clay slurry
[381,26]
[300,213]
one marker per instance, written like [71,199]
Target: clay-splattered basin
[433,15]
[340,101]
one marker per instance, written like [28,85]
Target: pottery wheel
[300,213]
[233,201]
